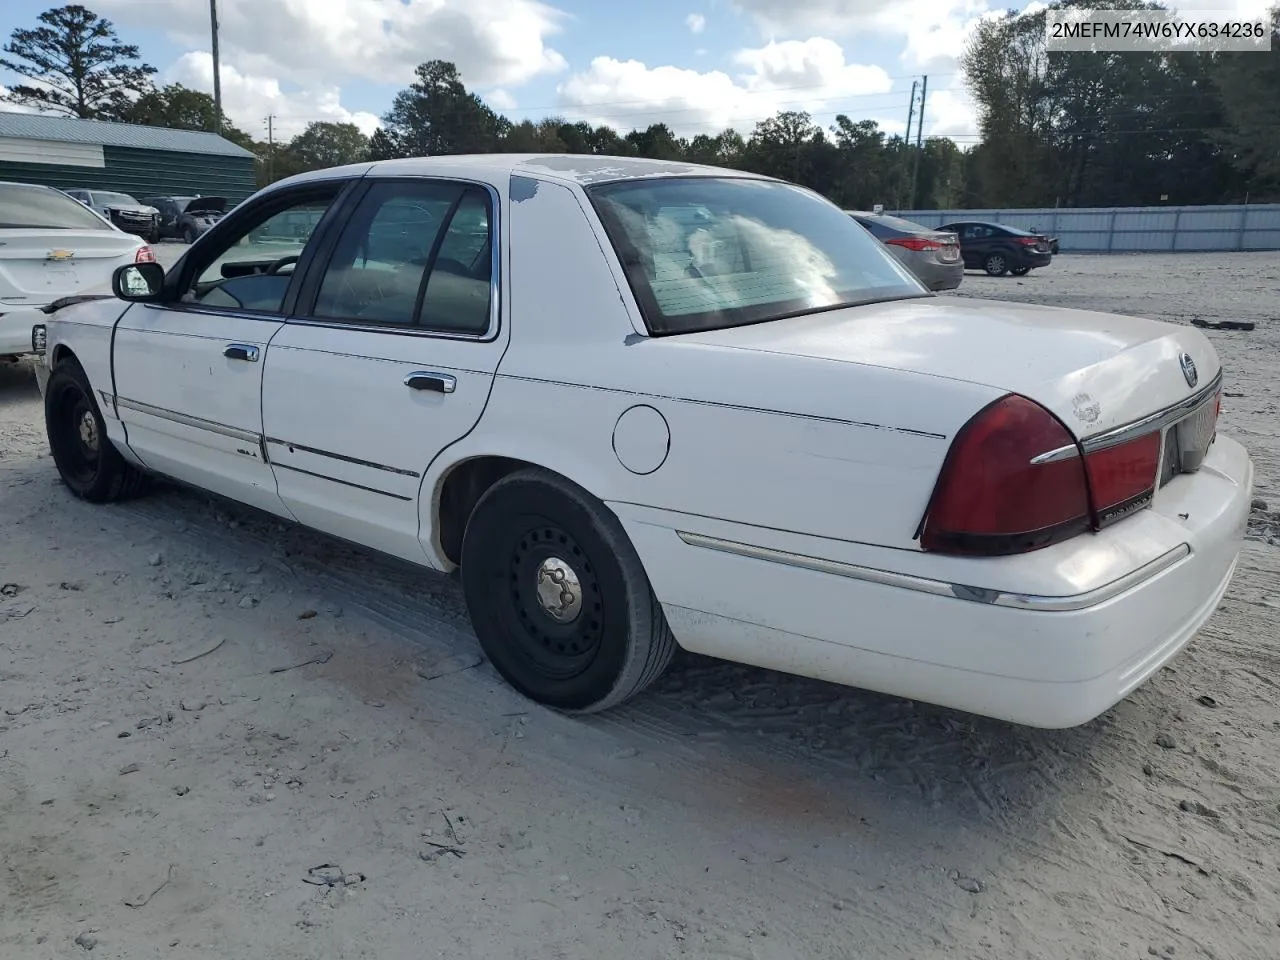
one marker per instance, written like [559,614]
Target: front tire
[558,595]
[996,265]
[87,461]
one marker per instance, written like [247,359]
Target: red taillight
[1122,478]
[144,255]
[1013,481]
[1029,241]
[918,244]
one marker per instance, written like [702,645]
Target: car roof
[582,169]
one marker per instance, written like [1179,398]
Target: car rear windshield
[896,224]
[704,253]
[39,208]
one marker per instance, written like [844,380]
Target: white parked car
[52,247]
[642,404]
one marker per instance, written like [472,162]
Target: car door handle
[241,351]
[425,380]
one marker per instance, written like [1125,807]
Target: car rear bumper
[15,329]
[940,276]
[1046,661]
[1037,259]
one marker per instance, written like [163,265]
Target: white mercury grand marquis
[639,404]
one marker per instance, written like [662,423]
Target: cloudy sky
[697,65]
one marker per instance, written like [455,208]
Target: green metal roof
[35,126]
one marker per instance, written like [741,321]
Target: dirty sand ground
[157,802]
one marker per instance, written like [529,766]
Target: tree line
[1056,129]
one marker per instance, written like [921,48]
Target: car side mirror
[138,282]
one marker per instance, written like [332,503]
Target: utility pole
[271,149]
[915,167]
[911,112]
[217,72]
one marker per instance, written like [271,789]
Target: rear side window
[413,254]
[40,208]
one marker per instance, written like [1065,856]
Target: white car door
[389,358]
[188,370]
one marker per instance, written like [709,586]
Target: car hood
[130,207]
[1095,371]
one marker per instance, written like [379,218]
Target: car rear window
[896,224]
[703,253]
[40,208]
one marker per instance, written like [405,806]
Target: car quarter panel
[1038,666]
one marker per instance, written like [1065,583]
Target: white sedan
[642,404]
[52,247]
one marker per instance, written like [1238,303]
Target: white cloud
[17,107]
[493,42]
[791,75]
[292,57]
[248,99]
[950,113]
[696,22]
[500,100]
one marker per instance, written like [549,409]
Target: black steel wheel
[88,463]
[558,596]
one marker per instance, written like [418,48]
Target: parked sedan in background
[999,249]
[714,411]
[52,247]
[185,218]
[122,210]
[932,255]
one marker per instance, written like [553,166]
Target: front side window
[704,253]
[253,269]
[40,208]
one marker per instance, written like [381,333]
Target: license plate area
[1187,442]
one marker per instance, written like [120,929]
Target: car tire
[599,640]
[188,235]
[996,264]
[88,462]
[1020,271]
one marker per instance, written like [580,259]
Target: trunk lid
[950,246]
[1094,371]
[39,266]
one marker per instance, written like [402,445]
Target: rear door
[188,372]
[390,359]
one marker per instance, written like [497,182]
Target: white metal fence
[1134,229]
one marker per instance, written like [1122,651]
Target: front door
[389,359]
[188,371]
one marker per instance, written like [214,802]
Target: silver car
[932,255]
[122,210]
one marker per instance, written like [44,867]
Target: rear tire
[87,461]
[1020,271]
[558,596]
[996,265]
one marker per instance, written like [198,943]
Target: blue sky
[698,65]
